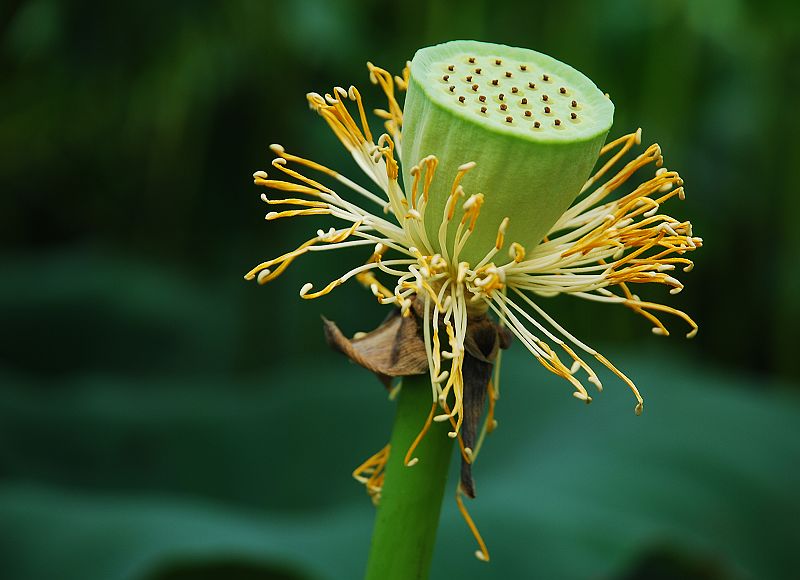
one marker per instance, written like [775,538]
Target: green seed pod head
[533,125]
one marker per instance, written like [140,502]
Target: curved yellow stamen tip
[516,252]
[305,291]
[371,473]
[482,553]
[411,461]
[625,379]
[582,397]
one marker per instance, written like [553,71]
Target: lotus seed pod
[533,125]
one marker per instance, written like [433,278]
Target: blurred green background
[161,419]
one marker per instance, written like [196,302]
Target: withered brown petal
[476,383]
[394,349]
[505,337]
[482,344]
[482,340]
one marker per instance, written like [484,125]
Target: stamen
[283,262]
[371,473]
[631,386]
[410,461]
[482,553]
[501,233]
[516,252]
[472,209]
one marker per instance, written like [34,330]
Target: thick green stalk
[411,501]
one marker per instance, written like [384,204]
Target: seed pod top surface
[455,75]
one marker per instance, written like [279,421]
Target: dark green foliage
[162,419]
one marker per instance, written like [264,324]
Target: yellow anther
[462,171]
[472,209]
[501,234]
[430,170]
[517,252]
[386,147]
[453,200]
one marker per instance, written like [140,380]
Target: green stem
[411,500]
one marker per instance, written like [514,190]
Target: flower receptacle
[533,125]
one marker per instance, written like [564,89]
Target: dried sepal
[394,349]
